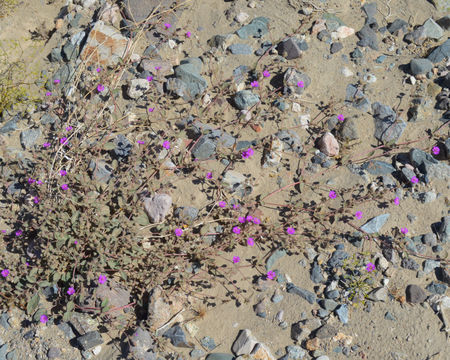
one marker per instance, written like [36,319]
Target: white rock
[346,72]
[137,87]
[172,44]
[369,78]
[135,57]
[157,207]
[273,157]
[252,4]
[296,107]
[206,100]
[344,31]
[241,17]
[304,120]
[97,350]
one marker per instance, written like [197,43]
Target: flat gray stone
[240,49]
[440,53]
[415,294]
[432,29]
[375,224]
[245,99]
[29,137]
[90,339]
[244,343]
[420,66]
[305,294]
[257,28]
[377,167]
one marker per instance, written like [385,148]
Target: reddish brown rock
[329,145]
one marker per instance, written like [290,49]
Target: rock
[329,145]
[440,53]
[325,36]
[197,353]
[444,22]
[208,343]
[386,128]
[234,182]
[90,340]
[298,333]
[367,37]
[415,294]
[328,304]
[277,297]
[240,49]
[261,352]
[292,48]
[244,343]
[101,171]
[342,313]
[187,214]
[430,265]
[291,79]
[375,224]
[444,230]
[429,239]
[295,352]
[104,46]
[326,331]
[177,336]
[241,17]
[436,288]
[305,294]
[349,131]
[343,32]
[420,66]
[337,258]
[417,36]
[116,294]
[53,353]
[123,147]
[427,197]
[444,275]
[204,149]
[410,264]
[397,26]
[188,83]
[257,28]
[377,167]
[312,344]
[316,274]
[157,67]
[291,139]
[245,99]
[139,10]
[335,47]
[137,88]
[260,309]
[379,294]
[29,137]
[332,21]
[272,156]
[141,341]
[157,207]
[278,254]
[357,98]
[219,356]
[433,30]
[160,311]
[65,74]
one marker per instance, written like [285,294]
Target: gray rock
[410,264]
[260,309]
[291,78]
[208,342]
[337,258]
[139,10]
[157,207]
[220,356]
[305,294]
[415,294]
[187,214]
[10,126]
[29,137]
[408,174]
[291,139]
[177,336]
[386,128]
[332,294]
[375,224]
[417,36]
[379,294]
[55,55]
[137,88]
[277,297]
[440,53]
[398,25]
[325,36]
[196,353]
[389,316]
[316,273]
[444,22]
[4,318]
[291,48]
[444,275]
[90,339]
[123,147]
[142,339]
[428,197]
[357,98]
[430,265]
[342,313]
[444,230]
[67,330]
[436,288]
[376,167]
[432,29]
[441,5]
[192,84]
[332,21]
[53,353]
[278,254]
[204,149]
[328,304]
[349,131]
[335,47]
[245,99]
[101,171]
[257,28]
[430,239]
[65,74]
[244,343]
[367,37]
[240,49]
[295,352]
[326,331]
[420,66]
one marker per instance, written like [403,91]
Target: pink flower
[222,204]
[39,182]
[332,194]
[149,78]
[167,25]
[46,144]
[300,84]
[99,69]
[68,128]
[236,230]
[5,272]
[166,145]
[340,117]
[414,180]
[62,172]
[141,142]
[358,215]
[254,84]
[75,242]
[188,34]
[56,81]
[63,140]
[256,221]
[64,186]
[36,200]
[235,206]
[370,267]
[157,67]
[30,181]
[396,201]
[178,232]
[44,319]
[290,231]
[247,153]
[404,231]
[249,218]
[266,73]
[209,175]
[151,109]
[48,93]
[241,219]
[102,279]
[236,259]
[271,275]
[435,150]
[71,291]
[100,88]
[250,241]
[19,232]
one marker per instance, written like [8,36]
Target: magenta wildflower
[301,84]
[56,81]
[250,241]
[68,128]
[370,267]
[404,231]
[271,275]
[27,264]
[340,117]
[141,142]
[332,194]
[266,73]
[236,230]
[39,182]
[188,34]
[414,180]
[30,181]
[19,232]
[36,200]
[222,204]
[63,140]
[3,231]
[166,145]
[151,109]
[241,219]
[102,279]
[46,144]
[235,206]
[99,69]
[100,88]
[396,201]
[256,221]
[209,175]
[157,67]
[435,150]
[167,25]
[358,215]
[247,153]
[290,231]
[64,186]
[149,78]
[75,242]
[254,84]
[71,291]
[62,172]
[178,232]
[5,272]
[44,319]
[48,93]
[236,259]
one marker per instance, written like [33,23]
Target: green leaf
[45,284]
[124,276]
[67,316]
[105,303]
[112,264]
[109,146]
[31,279]
[33,304]
[142,220]
[38,314]
[70,306]
[56,277]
